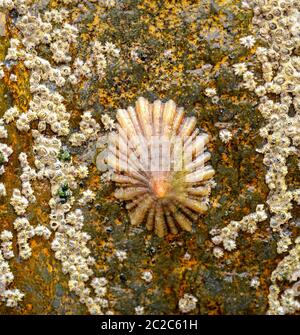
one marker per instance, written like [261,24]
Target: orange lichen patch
[168,290]
[97,26]
[118,222]
[28,307]
[20,88]
[182,289]
[42,190]
[188,264]
[225,158]
[214,308]
[93,181]
[5,219]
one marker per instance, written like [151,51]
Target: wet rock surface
[168,50]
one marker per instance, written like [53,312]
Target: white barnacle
[121,255]
[108,123]
[139,310]
[247,41]
[187,303]
[19,202]
[2,190]
[11,114]
[87,196]
[12,297]
[210,92]
[225,135]
[218,252]
[239,68]
[147,276]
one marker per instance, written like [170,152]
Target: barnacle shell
[158,158]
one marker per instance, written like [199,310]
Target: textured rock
[168,50]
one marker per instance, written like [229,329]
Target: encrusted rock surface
[180,50]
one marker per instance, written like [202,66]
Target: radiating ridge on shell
[158,157]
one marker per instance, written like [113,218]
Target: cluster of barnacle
[287,270]
[249,80]
[27,232]
[52,161]
[22,226]
[27,175]
[61,42]
[6,278]
[19,202]
[100,53]
[276,22]
[48,108]
[87,196]
[3,130]
[70,247]
[34,30]
[5,152]
[89,130]
[41,70]
[227,236]
[212,93]
[56,15]
[14,52]
[45,106]
[6,244]
[100,56]
[11,114]
[107,122]
[41,29]
[11,297]
[69,243]
[49,164]
[82,69]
